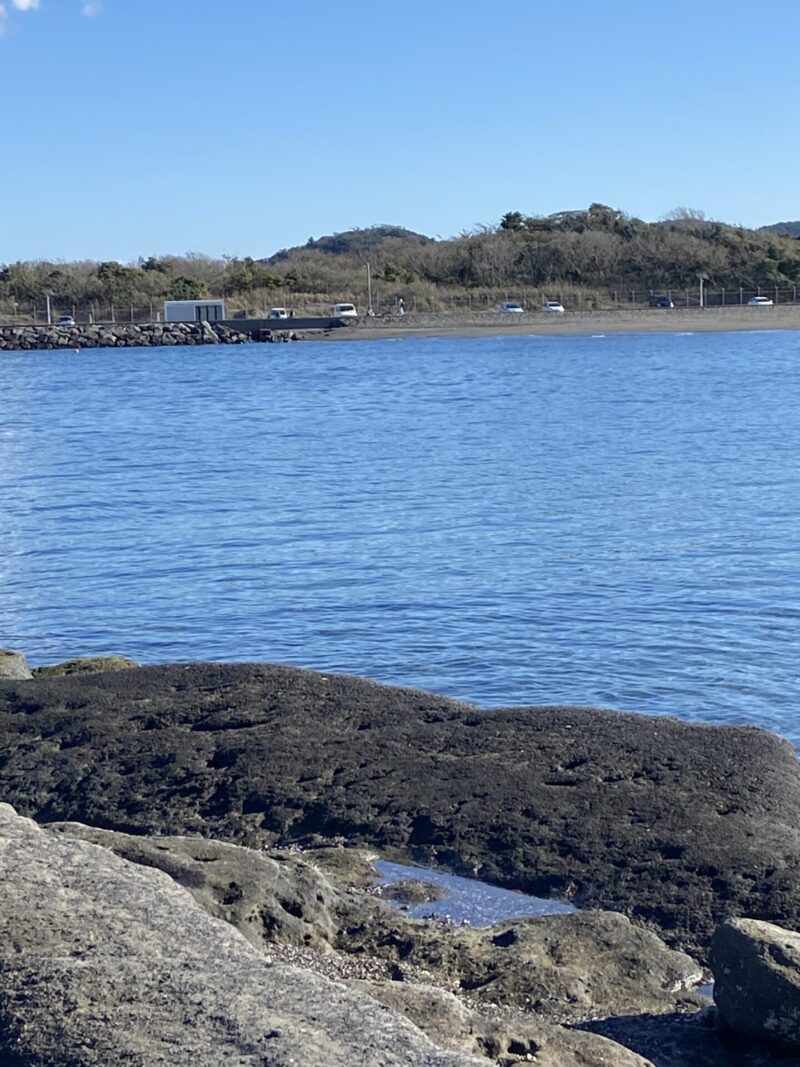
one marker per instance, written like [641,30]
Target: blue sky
[238,127]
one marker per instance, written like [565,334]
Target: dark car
[661,302]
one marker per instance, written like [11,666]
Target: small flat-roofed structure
[194,310]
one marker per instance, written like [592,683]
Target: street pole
[702,278]
[369,291]
[47,298]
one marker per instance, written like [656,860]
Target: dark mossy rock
[676,824]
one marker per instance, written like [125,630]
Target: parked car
[512,307]
[554,307]
[759,302]
[661,302]
[278,313]
[65,320]
[344,311]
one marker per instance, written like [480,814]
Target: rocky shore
[421,324]
[181,882]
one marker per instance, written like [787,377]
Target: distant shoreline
[675,320]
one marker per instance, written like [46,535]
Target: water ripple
[510,521]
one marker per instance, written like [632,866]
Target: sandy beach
[652,320]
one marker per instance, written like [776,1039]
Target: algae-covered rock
[676,824]
[85,665]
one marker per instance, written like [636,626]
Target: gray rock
[565,967]
[698,1040]
[450,1024]
[757,979]
[14,665]
[268,900]
[409,891]
[106,963]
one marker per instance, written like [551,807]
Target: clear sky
[139,127]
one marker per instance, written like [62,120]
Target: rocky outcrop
[698,1040]
[85,665]
[448,1022]
[120,335]
[14,665]
[241,884]
[267,899]
[757,980]
[675,824]
[562,967]
[103,963]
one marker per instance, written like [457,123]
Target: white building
[194,310]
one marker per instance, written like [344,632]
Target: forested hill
[357,242]
[790,228]
[593,251]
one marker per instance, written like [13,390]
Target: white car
[278,313]
[759,302]
[65,320]
[512,307]
[554,307]
[344,311]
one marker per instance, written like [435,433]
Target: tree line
[596,249]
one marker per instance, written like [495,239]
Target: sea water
[514,520]
[466,900]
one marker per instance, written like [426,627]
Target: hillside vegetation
[789,229]
[595,256]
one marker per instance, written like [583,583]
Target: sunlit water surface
[466,900]
[607,521]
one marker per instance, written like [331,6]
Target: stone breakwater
[119,335]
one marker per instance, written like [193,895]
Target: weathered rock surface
[563,967]
[757,979]
[267,899]
[699,1040]
[106,963]
[14,665]
[277,900]
[446,1020]
[409,891]
[85,665]
[677,824]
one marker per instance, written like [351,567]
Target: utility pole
[702,278]
[370,312]
[47,298]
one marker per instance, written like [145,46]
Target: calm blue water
[609,521]
[467,899]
